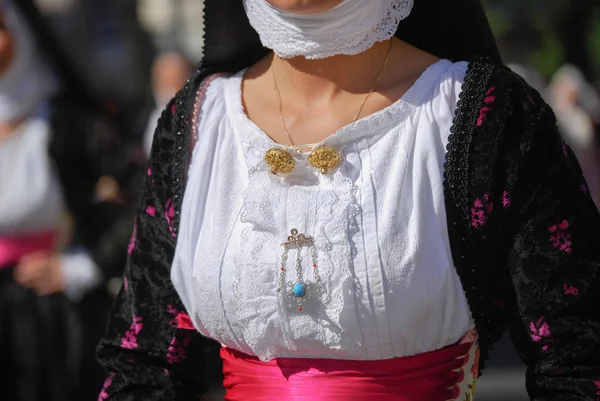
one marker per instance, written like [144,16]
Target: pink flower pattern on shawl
[129,340]
[181,320]
[131,246]
[482,207]
[560,237]
[489,100]
[540,331]
[178,348]
[172,310]
[104,394]
[151,211]
[169,215]
[506,200]
[570,290]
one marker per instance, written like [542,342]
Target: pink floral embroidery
[129,340]
[597,383]
[560,238]
[173,109]
[481,210]
[126,283]
[172,310]
[564,148]
[482,115]
[169,215]
[489,99]
[178,348]
[103,394]
[570,290]
[540,331]
[151,210]
[131,246]
[531,100]
[149,172]
[175,313]
[181,320]
[506,200]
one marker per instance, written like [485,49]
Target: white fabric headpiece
[28,81]
[350,28]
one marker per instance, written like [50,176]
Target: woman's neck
[315,98]
[324,79]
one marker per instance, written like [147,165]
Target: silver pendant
[300,289]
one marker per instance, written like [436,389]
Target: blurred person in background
[576,103]
[64,216]
[170,70]
[346,207]
[112,54]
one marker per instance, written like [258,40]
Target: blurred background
[115,64]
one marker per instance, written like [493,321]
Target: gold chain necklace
[322,157]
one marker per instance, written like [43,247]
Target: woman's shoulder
[176,131]
[181,113]
[492,94]
[478,81]
[445,79]
[484,80]
[499,114]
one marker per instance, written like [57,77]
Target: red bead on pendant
[283,269]
[300,308]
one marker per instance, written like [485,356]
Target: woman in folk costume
[357,214]
[52,154]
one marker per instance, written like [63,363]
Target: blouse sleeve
[150,349]
[554,263]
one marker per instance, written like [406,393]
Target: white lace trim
[266,204]
[352,31]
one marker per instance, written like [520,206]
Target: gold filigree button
[280,161]
[324,158]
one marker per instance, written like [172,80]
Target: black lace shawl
[524,234]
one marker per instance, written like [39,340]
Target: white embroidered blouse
[379,224]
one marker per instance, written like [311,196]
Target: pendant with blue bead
[297,291]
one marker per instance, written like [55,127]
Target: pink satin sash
[433,376]
[13,248]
